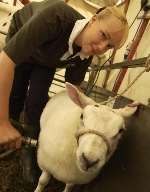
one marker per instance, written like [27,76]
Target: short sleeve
[75,73]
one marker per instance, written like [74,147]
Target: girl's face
[101,35]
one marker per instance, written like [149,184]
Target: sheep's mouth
[84,131]
[86,167]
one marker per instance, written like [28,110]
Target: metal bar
[29,141]
[52,92]
[127,2]
[125,64]
[58,85]
[132,51]
[24,2]
[59,80]
[59,75]
[126,6]
[15,2]
[128,64]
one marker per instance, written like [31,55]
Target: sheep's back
[57,143]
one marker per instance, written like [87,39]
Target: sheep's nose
[89,163]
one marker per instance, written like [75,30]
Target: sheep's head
[99,131]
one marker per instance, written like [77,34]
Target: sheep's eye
[81,117]
[96,105]
[121,131]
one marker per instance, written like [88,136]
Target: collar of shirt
[78,27]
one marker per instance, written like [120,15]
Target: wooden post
[132,51]
[114,52]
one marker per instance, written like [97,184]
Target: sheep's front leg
[68,187]
[43,181]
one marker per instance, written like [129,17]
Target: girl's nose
[102,47]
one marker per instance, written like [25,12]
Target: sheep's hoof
[37,190]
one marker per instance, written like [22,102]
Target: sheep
[77,137]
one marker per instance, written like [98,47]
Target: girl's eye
[109,46]
[103,34]
[121,131]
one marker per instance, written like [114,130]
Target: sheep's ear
[127,111]
[77,97]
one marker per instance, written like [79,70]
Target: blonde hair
[118,13]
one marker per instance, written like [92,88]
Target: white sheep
[77,137]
